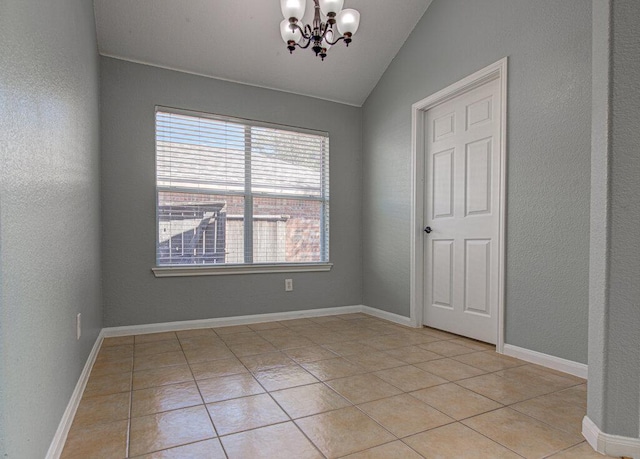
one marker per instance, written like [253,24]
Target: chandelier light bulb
[348,21]
[331,8]
[288,34]
[293,8]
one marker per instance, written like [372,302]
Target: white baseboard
[611,445]
[228,321]
[60,437]
[566,366]
[390,316]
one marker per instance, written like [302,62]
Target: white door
[462,199]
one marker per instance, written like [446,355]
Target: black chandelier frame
[317,33]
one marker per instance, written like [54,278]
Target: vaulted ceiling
[239,40]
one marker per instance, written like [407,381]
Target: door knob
[427,229]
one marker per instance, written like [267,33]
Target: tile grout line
[204,403]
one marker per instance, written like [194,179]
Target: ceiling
[239,40]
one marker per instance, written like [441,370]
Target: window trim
[225,270]
[160,271]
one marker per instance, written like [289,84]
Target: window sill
[208,270]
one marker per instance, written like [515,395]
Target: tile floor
[339,386]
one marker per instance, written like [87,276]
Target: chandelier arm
[334,42]
[306,45]
[304,31]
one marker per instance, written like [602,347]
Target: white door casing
[459,161]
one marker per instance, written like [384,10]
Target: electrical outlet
[288,285]
[78,325]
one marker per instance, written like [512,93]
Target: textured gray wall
[549,111]
[49,214]
[132,295]
[614,362]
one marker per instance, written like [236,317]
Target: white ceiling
[239,40]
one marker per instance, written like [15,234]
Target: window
[239,192]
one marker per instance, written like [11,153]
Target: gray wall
[614,364]
[49,214]
[549,107]
[132,295]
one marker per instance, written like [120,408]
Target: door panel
[462,148]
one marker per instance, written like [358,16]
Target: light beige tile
[386,342]
[185,334]
[161,376]
[217,368]
[326,320]
[581,451]
[115,353]
[106,368]
[393,450]
[342,432]
[325,337]
[403,415]
[536,375]
[108,384]
[374,361]
[167,359]
[117,341]
[556,410]
[228,387]
[207,449]
[157,347]
[231,329]
[409,378]
[363,388]
[231,416]
[164,398]
[208,353]
[290,342]
[267,443]
[576,395]
[250,348]
[284,332]
[489,361]
[244,337]
[502,390]
[474,344]
[520,433]
[455,441]
[349,348]
[309,354]
[100,409]
[171,428]
[307,400]
[196,342]
[285,377]
[438,333]
[333,368]
[456,401]
[102,440]
[261,362]
[297,323]
[353,316]
[450,369]
[413,354]
[265,326]
[152,337]
[447,348]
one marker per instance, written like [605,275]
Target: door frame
[497,70]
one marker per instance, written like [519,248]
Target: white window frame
[247,267]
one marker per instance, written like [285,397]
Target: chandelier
[321,35]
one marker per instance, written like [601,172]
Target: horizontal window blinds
[210,172]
